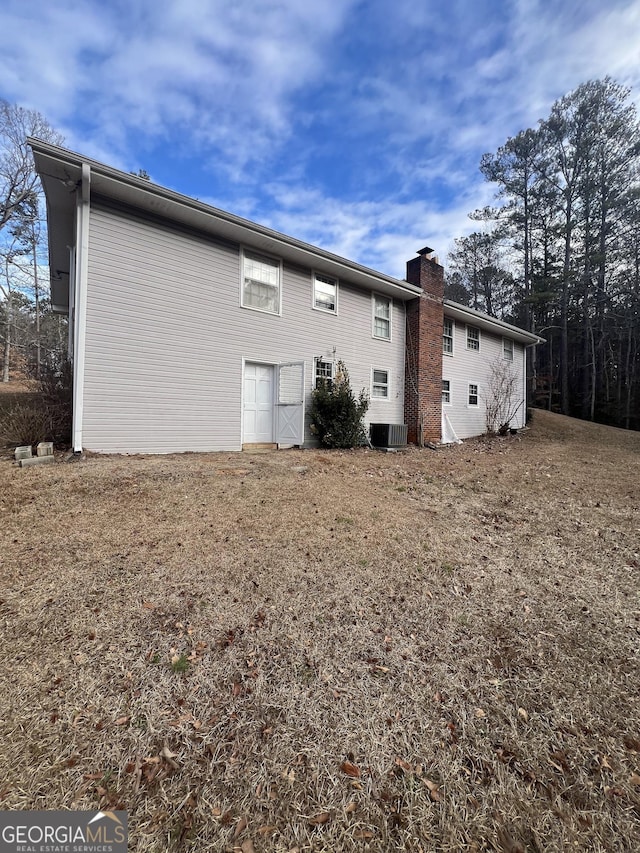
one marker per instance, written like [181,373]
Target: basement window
[324,373]
[380,384]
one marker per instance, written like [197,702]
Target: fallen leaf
[122,721]
[247,846]
[480,713]
[635,779]
[267,830]
[404,764]
[319,819]
[147,605]
[350,769]
[632,743]
[522,713]
[434,790]
[363,834]
[240,827]
[351,807]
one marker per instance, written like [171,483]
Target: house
[192,329]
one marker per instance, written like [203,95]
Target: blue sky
[357,126]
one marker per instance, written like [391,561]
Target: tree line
[559,253]
[32,338]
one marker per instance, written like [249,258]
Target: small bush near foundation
[337,415]
[43,416]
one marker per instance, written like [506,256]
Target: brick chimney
[423,365]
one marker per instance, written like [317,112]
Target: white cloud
[380,234]
[404,96]
[217,73]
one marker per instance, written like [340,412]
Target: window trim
[446,352]
[471,385]
[448,392]
[505,354]
[374,316]
[386,385]
[477,340]
[323,360]
[314,276]
[260,256]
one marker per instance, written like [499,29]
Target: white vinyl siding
[465,367]
[325,293]
[381,317]
[167,336]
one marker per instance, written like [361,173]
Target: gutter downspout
[528,391]
[83,194]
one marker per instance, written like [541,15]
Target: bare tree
[20,198]
[502,397]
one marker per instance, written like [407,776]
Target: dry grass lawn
[327,651]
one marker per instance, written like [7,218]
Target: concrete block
[45,448]
[23,452]
[36,460]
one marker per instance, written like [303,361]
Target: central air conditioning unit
[388,435]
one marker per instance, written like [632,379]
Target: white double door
[273,408]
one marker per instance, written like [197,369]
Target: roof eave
[492,324]
[162,201]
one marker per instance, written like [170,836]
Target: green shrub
[337,414]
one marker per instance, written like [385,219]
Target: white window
[324,372]
[447,337]
[446,392]
[507,349]
[325,293]
[473,338]
[473,394]
[380,384]
[381,317]
[261,283]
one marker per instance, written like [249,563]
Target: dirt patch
[314,651]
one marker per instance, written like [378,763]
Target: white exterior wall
[474,366]
[167,336]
